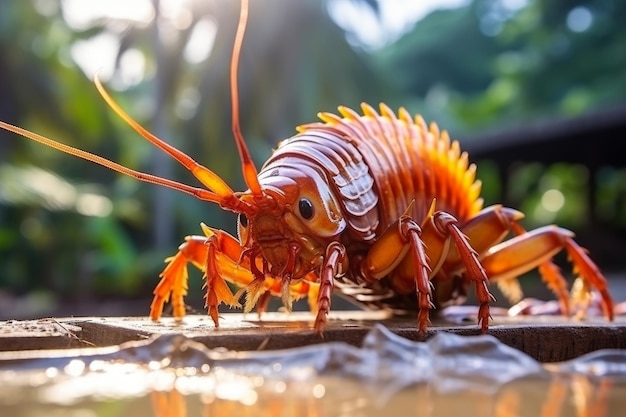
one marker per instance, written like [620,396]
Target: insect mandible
[379,206]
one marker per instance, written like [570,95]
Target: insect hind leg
[589,277]
[536,248]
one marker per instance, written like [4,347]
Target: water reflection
[576,396]
[448,375]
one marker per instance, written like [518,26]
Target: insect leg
[551,275]
[263,302]
[311,288]
[488,228]
[221,264]
[174,278]
[536,247]
[271,286]
[216,254]
[227,261]
[388,253]
[448,225]
[333,265]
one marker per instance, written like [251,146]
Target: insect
[377,205]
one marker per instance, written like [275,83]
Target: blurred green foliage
[481,66]
[490,64]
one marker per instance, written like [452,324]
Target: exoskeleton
[377,205]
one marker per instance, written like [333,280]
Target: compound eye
[243,220]
[306,209]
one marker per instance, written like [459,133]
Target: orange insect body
[380,206]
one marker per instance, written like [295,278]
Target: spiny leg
[448,225]
[263,281]
[215,287]
[532,249]
[174,278]
[490,227]
[551,275]
[405,236]
[269,286]
[485,229]
[423,287]
[257,287]
[228,261]
[389,252]
[263,303]
[311,288]
[217,255]
[333,261]
[591,275]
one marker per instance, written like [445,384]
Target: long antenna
[200,193]
[247,165]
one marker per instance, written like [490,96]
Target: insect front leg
[216,254]
[174,278]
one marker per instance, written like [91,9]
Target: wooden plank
[547,339]
[46,333]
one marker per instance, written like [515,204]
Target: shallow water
[171,375]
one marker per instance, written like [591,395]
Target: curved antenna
[207,177]
[247,165]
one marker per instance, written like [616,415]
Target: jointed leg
[270,286]
[526,251]
[221,258]
[217,290]
[590,274]
[423,287]
[333,261]
[448,225]
[407,236]
[174,278]
[535,249]
[551,275]
[389,252]
[217,255]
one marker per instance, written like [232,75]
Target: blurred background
[535,90]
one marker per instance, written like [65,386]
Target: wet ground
[175,376]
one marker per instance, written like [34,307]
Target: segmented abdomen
[379,163]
